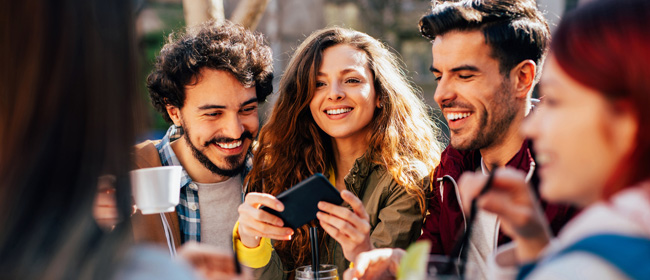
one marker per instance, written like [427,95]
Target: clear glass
[326,272]
[438,264]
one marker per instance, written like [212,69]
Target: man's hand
[378,264]
[514,202]
[212,262]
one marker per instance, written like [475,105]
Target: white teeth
[457,116]
[338,111]
[231,145]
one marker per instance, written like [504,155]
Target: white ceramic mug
[156,189]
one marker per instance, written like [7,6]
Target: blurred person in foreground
[68,111]
[592,138]
[207,83]
[592,135]
[487,57]
[345,109]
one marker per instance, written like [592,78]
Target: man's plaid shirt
[189,217]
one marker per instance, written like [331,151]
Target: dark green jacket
[395,217]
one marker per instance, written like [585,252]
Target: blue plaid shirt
[189,217]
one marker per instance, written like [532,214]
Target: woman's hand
[511,198]
[351,229]
[376,264]
[255,223]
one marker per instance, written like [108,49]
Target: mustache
[456,104]
[218,139]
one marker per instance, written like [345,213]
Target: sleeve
[431,228]
[273,270]
[503,264]
[252,257]
[400,220]
[577,265]
[263,259]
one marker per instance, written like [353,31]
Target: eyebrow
[249,101]
[211,106]
[344,71]
[456,69]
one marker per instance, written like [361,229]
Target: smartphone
[301,201]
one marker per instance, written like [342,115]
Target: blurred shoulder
[144,262]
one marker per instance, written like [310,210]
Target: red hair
[605,45]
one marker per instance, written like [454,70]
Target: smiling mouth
[230,145]
[457,116]
[338,111]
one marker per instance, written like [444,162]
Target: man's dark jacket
[445,219]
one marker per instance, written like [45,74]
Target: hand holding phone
[255,223]
[301,201]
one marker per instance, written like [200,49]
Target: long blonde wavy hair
[292,147]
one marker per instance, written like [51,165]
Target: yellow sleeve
[252,257]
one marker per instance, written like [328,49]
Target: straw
[237,264]
[464,240]
[313,238]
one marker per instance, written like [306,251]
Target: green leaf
[413,265]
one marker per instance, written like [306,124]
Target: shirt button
[194,186]
[193,206]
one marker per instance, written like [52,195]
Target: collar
[523,160]
[167,155]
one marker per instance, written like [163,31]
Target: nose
[532,123]
[233,127]
[444,92]
[336,92]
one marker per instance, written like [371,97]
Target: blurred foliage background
[286,23]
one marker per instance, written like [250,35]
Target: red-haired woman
[592,139]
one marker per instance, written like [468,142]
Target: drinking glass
[326,272]
[437,269]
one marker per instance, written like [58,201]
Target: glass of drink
[326,272]
[440,268]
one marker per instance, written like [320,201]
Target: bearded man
[208,83]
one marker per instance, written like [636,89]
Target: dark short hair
[515,29]
[216,45]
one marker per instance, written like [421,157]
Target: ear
[523,77]
[174,114]
[378,99]
[625,126]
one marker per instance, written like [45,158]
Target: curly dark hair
[217,45]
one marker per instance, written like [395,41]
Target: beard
[492,127]
[233,164]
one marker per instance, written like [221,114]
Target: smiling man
[207,83]
[487,55]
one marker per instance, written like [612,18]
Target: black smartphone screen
[301,201]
